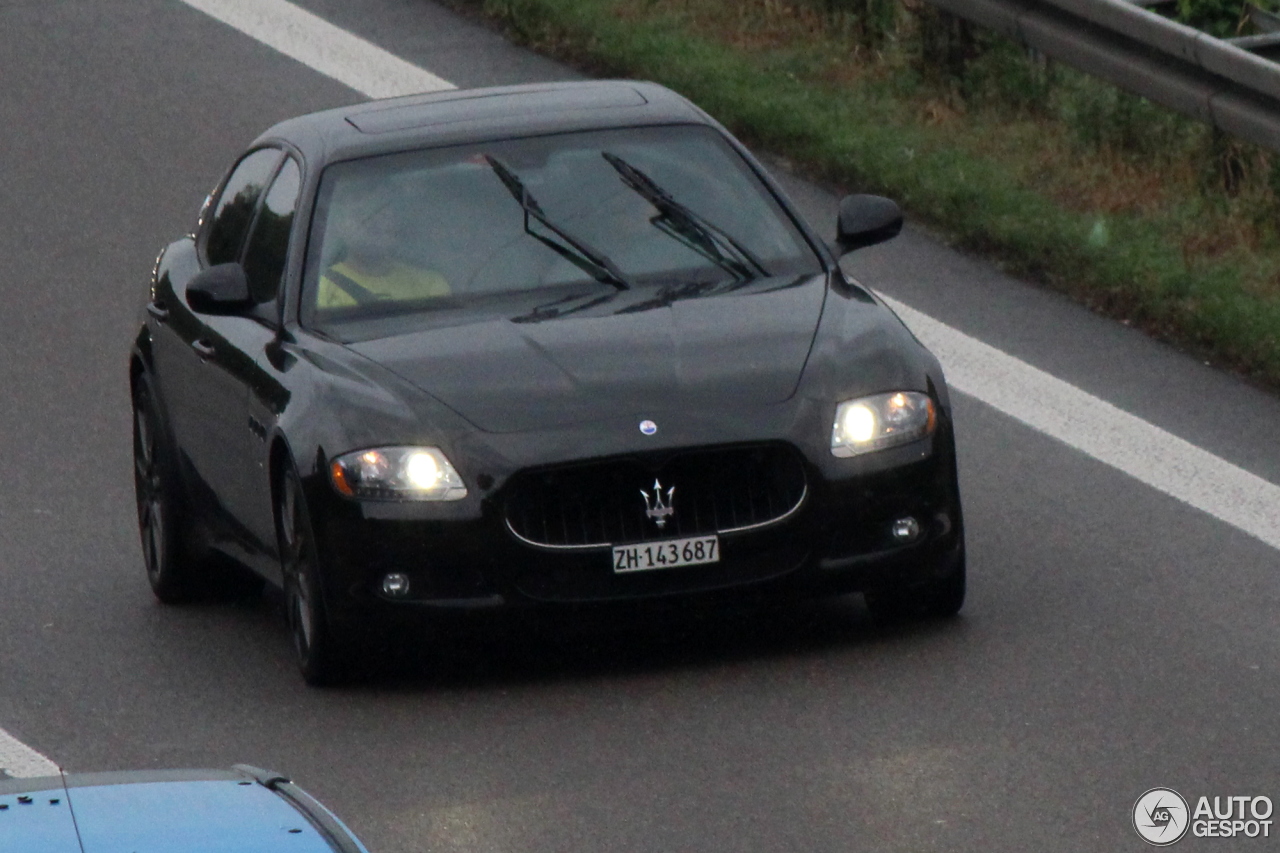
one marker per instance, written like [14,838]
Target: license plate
[666,555]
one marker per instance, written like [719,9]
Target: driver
[373,268]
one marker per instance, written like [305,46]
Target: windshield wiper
[578,252]
[561,308]
[682,224]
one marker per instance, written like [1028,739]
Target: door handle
[203,348]
[158,311]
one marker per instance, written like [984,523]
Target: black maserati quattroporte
[535,346]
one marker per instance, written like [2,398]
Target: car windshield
[572,217]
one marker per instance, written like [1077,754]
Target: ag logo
[1160,816]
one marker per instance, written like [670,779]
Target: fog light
[906,529]
[396,585]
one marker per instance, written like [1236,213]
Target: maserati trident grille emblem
[655,507]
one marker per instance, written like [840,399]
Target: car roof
[472,115]
[246,810]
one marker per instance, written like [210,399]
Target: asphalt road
[1115,639]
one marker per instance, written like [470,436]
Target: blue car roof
[158,812]
[39,818]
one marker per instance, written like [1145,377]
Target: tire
[161,512]
[324,655]
[937,599]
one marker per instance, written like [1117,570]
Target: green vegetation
[1136,211]
[1221,18]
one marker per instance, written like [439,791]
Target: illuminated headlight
[397,473]
[885,420]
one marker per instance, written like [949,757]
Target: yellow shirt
[400,281]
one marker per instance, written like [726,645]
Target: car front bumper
[839,540]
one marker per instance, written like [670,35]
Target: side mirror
[866,220]
[221,289]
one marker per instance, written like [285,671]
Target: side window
[235,206]
[268,248]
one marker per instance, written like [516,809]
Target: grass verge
[1191,265]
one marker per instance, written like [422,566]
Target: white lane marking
[320,45]
[1099,429]
[21,761]
[1056,408]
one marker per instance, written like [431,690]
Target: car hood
[632,353]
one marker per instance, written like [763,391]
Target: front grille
[600,503]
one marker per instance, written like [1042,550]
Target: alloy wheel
[149,487]
[295,551]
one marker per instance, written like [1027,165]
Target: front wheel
[324,655]
[160,508]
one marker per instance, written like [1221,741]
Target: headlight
[397,473]
[885,420]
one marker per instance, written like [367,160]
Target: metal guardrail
[1120,41]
